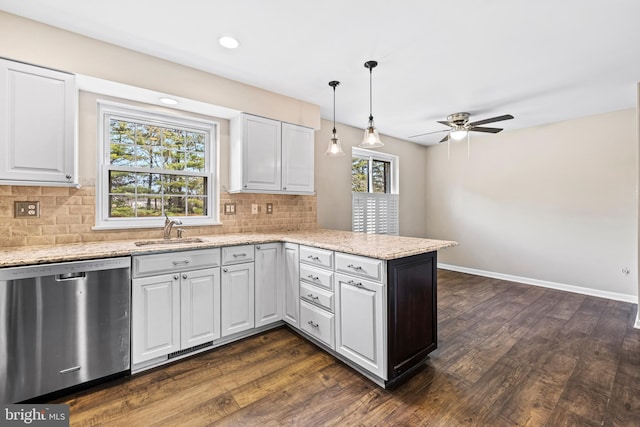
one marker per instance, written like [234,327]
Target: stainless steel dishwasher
[62,325]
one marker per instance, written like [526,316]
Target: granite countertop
[371,245]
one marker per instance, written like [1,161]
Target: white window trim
[386,204]
[108,108]
[394,186]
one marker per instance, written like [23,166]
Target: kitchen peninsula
[367,299]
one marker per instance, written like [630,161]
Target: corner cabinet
[37,125]
[268,156]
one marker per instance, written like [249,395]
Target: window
[152,165]
[375,198]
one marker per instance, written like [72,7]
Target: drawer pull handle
[356,284]
[355,267]
[313,258]
[186,261]
[239,255]
[313,297]
[312,277]
[70,370]
[313,325]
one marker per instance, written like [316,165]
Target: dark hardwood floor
[508,354]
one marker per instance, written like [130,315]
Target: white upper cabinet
[267,156]
[37,125]
[297,158]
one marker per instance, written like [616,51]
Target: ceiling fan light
[458,133]
[371,138]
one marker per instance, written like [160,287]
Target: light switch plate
[26,210]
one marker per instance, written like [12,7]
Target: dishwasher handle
[63,277]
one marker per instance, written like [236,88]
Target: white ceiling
[541,61]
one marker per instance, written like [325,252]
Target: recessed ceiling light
[228,42]
[168,101]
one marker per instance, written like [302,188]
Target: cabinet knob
[68,177]
[258,247]
[225,270]
[284,188]
[176,277]
[184,276]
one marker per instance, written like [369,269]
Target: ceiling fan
[459,126]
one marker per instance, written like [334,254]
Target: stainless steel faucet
[168,225]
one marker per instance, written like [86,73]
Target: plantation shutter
[375,213]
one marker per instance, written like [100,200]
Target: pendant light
[335,147]
[371,138]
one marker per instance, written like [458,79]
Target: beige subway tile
[18,190]
[67,238]
[55,191]
[5,232]
[70,200]
[81,210]
[47,201]
[43,220]
[89,200]
[79,228]
[17,231]
[55,229]
[40,240]
[13,242]
[5,190]
[68,219]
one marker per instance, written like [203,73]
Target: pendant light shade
[371,138]
[335,147]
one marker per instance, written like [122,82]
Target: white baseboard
[637,325]
[545,284]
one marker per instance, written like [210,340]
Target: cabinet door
[155,317]
[237,298]
[261,153]
[291,285]
[297,158]
[37,123]
[269,291]
[360,320]
[200,304]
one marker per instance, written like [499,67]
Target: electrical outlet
[26,210]
[269,208]
[254,209]
[229,208]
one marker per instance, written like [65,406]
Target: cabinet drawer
[369,268]
[317,323]
[315,256]
[237,254]
[169,262]
[316,295]
[317,276]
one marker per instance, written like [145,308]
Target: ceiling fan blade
[487,130]
[429,133]
[444,139]
[445,123]
[492,120]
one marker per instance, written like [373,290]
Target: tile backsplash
[67,215]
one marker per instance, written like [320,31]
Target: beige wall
[333,180]
[29,41]
[553,203]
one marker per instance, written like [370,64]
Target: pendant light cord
[334,111]
[370,94]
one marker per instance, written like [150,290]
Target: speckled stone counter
[372,245]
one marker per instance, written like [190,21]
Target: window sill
[147,226]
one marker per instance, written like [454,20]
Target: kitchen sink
[169,241]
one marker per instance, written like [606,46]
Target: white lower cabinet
[171,312]
[269,299]
[360,322]
[291,284]
[237,298]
